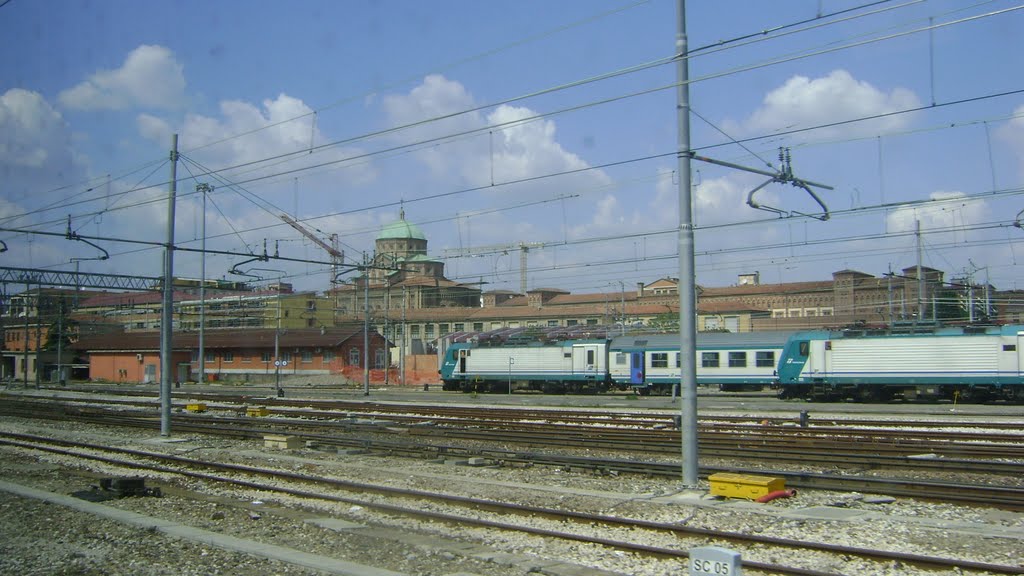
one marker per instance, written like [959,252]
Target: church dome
[401,230]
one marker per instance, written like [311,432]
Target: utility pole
[401,360]
[24,374]
[366,326]
[687,269]
[920,276]
[167,310]
[204,188]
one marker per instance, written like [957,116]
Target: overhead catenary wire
[591,104]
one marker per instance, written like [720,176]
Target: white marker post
[715,561]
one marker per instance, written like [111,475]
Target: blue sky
[295,105]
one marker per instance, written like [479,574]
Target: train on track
[971,364]
[957,363]
[647,363]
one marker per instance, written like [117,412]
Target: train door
[636,368]
[462,361]
[1020,354]
[585,358]
[817,361]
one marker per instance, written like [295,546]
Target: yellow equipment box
[195,407]
[746,486]
[281,441]
[257,411]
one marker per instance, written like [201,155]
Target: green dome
[401,229]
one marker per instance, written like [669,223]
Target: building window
[265,357]
[552,323]
[228,356]
[414,331]
[591,321]
[478,326]
[659,360]
[353,357]
[709,359]
[442,329]
[737,359]
[286,357]
[496,326]
[572,322]
[460,327]
[307,356]
[210,356]
[826,311]
[778,313]
[246,357]
[378,359]
[195,355]
[428,331]
[328,355]
[764,359]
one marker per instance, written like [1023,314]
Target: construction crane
[523,247]
[337,255]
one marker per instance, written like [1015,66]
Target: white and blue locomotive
[957,363]
[644,363]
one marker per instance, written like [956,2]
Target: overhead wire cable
[457,63]
[627,70]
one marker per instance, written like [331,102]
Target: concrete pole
[687,270]
[167,310]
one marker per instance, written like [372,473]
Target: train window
[764,359]
[737,359]
[709,359]
[805,348]
[620,358]
[1009,347]
[590,356]
[677,359]
[659,360]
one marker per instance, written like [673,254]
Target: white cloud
[149,78]
[31,131]
[1013,134]
[515,149]
[153,128]
[803,102]
[949,212]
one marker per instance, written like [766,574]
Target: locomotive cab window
[805,348]
[1009,347]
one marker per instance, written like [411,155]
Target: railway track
[619,533]
[433,441]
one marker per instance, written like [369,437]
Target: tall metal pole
[204,188]
[920,276]
[24,372]
[366,327]
[401,351]
[687,271]
[277,347]
[167,310]
[60,340]
[622,311]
